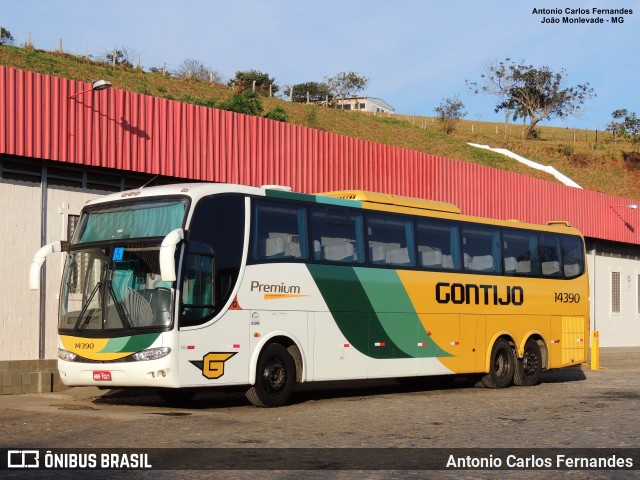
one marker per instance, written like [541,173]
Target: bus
[189,286]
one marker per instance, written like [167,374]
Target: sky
[415,53]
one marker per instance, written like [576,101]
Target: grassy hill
[590,158]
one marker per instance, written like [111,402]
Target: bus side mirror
[39,258]
[168,254]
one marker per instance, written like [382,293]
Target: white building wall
[617,329]
[19,240]
[369,105]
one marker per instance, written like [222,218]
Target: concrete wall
[19,240]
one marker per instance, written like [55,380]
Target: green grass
[594,162]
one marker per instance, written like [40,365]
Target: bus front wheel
[501,367]
[275,377]
[528,369]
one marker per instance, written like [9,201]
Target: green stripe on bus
[115,345]
[134,343]
[303,197]
[353,312]
[338,201]
[395,311]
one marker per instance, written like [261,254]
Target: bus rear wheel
[528,369]
[275,377]
[501,366]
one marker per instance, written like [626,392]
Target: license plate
[102,376]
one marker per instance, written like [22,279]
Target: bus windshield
[115,288]
[143,219]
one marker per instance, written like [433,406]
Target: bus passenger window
[519,252]
[550,256]
[438,245]
[481,249]
[336,235]
[572,256]
[390,241]
[278,232]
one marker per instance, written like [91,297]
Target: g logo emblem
[213,364]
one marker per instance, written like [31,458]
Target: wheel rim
[274,375]
[530,363]
[500,364]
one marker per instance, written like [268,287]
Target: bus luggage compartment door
[569,341]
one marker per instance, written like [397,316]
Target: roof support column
[43,276]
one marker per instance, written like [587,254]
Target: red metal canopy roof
[129,131]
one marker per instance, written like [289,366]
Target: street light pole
[96,85]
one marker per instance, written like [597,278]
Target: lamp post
[96,85]
[630,206]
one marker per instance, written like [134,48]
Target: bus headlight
[66,355]
[152,354]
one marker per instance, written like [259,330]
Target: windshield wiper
[85,307]
[121,313]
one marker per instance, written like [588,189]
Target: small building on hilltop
[365,104]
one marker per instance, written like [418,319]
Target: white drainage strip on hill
[545,168]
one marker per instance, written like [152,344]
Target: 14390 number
[564,297]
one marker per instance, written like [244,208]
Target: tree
[625,124]
[529,92]
[117,57]
[264,84]
[346,84]
[616,126]
[247,102]
[5,37]
[197,70]
[318,92]
[123,56]
[450,111]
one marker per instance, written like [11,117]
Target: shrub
[566,150]
[579,159]
[278,113]
[631,160]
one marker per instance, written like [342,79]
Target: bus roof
[352,198]
[398,200]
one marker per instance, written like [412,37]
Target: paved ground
[572,408]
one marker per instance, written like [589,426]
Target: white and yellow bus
[205,285]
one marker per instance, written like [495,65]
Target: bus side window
[278,231]
[336,235]
[519,252]
[198,289]
[390,240]
[438,245]
[572,256]
[549,256]
[481,249]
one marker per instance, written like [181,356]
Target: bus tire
[529,368]
[501,365]
[275,377]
